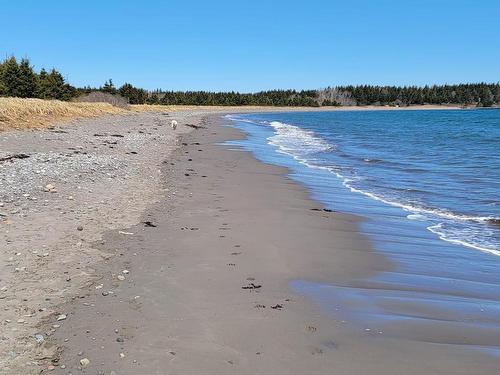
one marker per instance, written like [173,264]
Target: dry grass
[16,113]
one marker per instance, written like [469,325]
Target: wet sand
[202,285]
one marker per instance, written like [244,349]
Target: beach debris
[15,156]
[84,362]
[61,317]
[195,126]
[277,307]
[49,188]
[149,224]
[322,209]
[251,286]
[125,233]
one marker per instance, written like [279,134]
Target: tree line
[19,79]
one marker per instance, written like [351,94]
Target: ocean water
[428,185]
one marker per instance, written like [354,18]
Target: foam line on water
[301,144]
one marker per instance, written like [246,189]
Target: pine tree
[11,77]
[27,80]
[109,87]
[52,86]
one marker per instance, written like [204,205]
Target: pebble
[79,228]
[120,277]
[122,355]
[61,317]
[39,338]
[125,272]
[84,362]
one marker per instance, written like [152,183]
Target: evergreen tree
[27,80]
[109,87]
[52,86]
[11,77]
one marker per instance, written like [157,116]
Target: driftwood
[196,126]
[15,156]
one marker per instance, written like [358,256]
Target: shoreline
[180,306]
[23,114]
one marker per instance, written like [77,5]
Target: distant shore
[16,113]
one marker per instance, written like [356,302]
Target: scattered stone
[277,307]
[79,228]
[125,272]
[61,317]
[120,277]
[84,362]
[122,355]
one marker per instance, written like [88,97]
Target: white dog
[173,124]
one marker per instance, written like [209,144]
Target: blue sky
[253,45]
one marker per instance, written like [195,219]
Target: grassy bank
[16,113]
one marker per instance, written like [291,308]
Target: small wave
[292,138]
[442,234]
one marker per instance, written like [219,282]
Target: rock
[39,338]
[79,228]
[122,355]
[51,368]
[120,277]
[46,351]
[84,362]
[61,317]
[21,321]
[120,339]
[125,272]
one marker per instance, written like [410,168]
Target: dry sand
[168,296]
